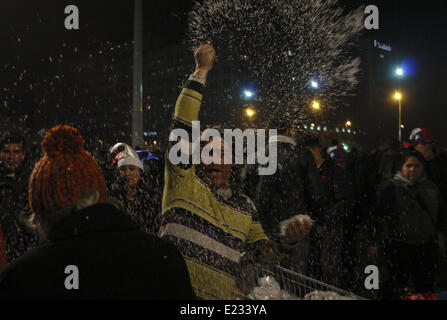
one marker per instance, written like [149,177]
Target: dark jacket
[337,194]
[437,172]
[409,211]
[290,191]
[14,209]
[114,258]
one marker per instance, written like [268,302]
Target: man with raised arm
[216,229]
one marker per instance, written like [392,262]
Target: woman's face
[412,168]
[131,175]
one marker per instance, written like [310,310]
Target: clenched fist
[204,56]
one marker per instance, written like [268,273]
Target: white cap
[128,156]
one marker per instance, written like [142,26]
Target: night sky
[415,29]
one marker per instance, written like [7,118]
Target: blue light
[410,67]
[248,94]
[314,84]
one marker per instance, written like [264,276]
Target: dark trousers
[404,261]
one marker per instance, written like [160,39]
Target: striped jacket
[211,233]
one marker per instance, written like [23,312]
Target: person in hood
[133,191]
[89,249]
[410,223]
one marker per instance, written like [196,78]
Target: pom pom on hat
[62,139]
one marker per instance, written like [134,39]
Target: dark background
[33,31]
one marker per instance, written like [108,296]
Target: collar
[400,177]
[100,217]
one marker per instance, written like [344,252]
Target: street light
[248,94]
[348,123]
[400,72]
[316,107]
[314,84]
[398,97]
[250,112]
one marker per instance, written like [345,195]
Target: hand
[372,252]
[204,56]
[297,231]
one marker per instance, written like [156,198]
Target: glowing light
[248,93]
[314,84]
[316,105]
[250,112]
[397,95]
[400,72]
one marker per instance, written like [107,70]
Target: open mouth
[213,173]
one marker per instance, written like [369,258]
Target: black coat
[293,189]
[114,258]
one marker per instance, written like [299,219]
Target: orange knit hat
[65,174]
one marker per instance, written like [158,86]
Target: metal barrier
[303,287]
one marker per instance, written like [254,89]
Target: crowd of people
[154,229]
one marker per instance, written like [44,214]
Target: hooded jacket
[410,210]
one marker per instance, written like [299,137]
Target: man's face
[217,175]
[12,155]
[426,148]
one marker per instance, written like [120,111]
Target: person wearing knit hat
[65,174]
[82,234]
[130,167]
[135,193]
[337,154]
[422,140]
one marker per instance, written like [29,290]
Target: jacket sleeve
[186,111]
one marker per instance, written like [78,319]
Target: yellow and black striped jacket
[211,233]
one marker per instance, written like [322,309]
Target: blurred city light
[248,94]
[397,95]
[314,84]
[250,112]
[316,105]
[400,72]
